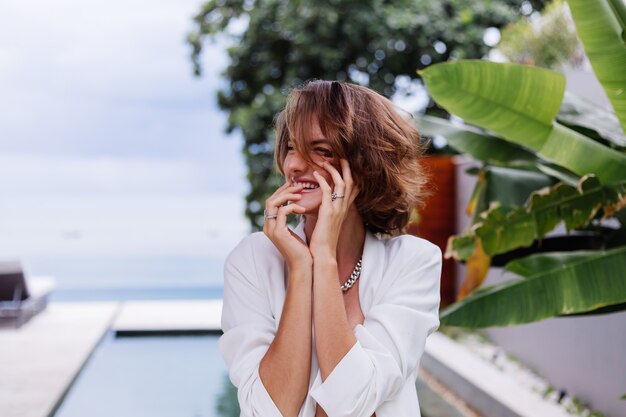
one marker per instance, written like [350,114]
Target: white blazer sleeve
[390,343]
[249,328]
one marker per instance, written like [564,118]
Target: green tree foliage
[370,42]
[549,41]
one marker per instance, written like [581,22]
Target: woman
[329,320]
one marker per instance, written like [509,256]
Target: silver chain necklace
[356,273]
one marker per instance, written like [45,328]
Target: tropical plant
[548,158]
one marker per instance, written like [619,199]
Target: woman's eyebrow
[321,141]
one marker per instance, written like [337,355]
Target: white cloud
[100,90]
[36,175]
[126,225]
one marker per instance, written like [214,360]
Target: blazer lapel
[372,271]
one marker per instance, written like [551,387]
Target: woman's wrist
[325,251]
[302,269]
[326,260]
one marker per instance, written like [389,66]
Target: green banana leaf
[559,173]
[584,156]
[493,150]
[600,25]
[504,228]
[511,172]
[575,207]
[509,186]
[529,267]
[460,247]
[588,118]
[553,284]
[619,9]
[614,308]
[519,103]
[474,142]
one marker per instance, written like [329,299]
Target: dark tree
[370,42]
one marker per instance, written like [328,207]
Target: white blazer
[399,296]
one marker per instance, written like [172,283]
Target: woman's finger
[293,188]
[326,190]
[268,226]
[352,190]
[340,187]
[280,200]
[274,201]
[281,220]
[289,189]
[271,224]
[282,187]
[280,197]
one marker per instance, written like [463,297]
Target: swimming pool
[162,375]
[151,376]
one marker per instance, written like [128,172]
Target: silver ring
[334,196]
[269,216]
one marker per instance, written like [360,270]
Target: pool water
[151,376]
[171,376]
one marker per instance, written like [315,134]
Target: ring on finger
[269,216]
[335,196]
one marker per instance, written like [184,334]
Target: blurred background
[136,148]
[115,172]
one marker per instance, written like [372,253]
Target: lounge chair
[20,302]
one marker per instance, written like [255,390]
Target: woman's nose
[295,163]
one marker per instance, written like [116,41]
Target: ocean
[138,277]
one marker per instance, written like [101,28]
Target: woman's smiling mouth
[307,186]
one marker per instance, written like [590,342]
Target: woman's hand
[331,214]
[291,246]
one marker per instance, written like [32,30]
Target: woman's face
[299,171]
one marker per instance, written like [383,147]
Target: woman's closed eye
[325,152]
[320,150]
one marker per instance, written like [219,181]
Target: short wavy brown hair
[381,145]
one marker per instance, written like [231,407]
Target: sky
[109,146]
